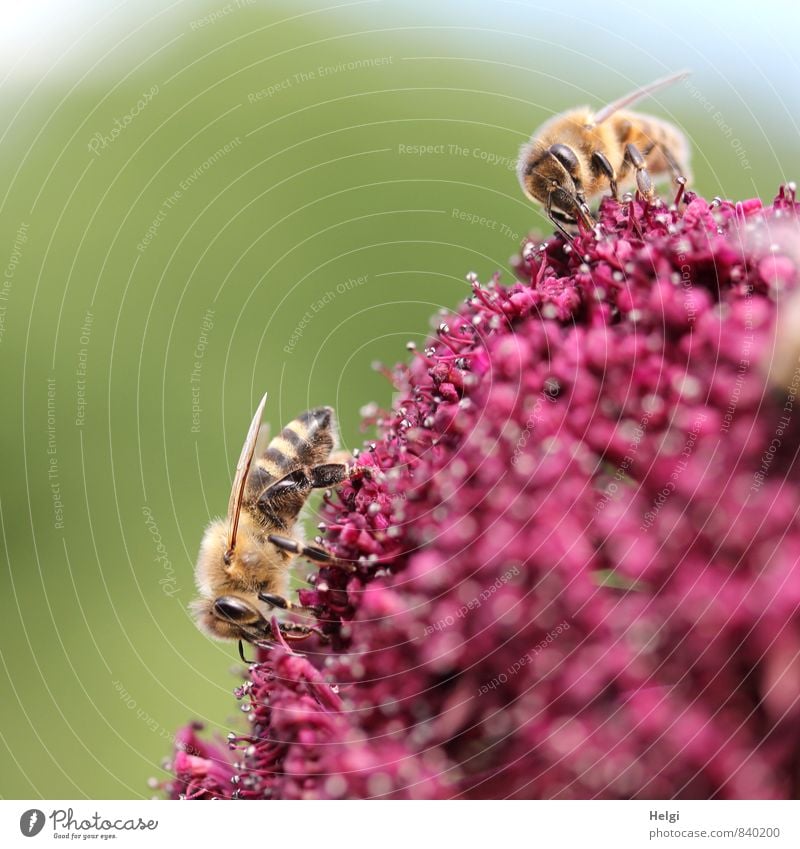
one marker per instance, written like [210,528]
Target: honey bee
[243,566]
[575,155]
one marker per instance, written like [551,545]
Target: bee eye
[566,156]
[233,609]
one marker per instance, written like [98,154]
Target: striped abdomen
[305,442]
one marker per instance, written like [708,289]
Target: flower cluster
[575,542]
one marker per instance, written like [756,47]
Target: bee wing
[240,478]
[263,438]
[608,111]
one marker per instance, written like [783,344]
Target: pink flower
[576,539]
[203,770]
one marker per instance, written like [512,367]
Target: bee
[575,155]
[243,567]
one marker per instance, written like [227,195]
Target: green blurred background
[160,273]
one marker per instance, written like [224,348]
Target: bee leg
[672,163]
[296,631]
[633,157]
[677,174]
[298,483]
[681,181]
[314,553]
[327,475]
[601,165]
[586,213]
[285,498]
[583,209]
[295,481]
[579,212]
[296,547]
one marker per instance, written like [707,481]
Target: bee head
[232,617]
[551,176]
